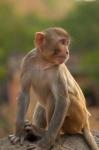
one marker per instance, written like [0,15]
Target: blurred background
[19,20]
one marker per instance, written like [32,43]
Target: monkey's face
[61,51]
[53,45]
[56,50]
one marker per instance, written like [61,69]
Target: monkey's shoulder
[30,55]
[73,86]
[28,58]
[64,72]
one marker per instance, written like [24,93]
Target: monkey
[61,105]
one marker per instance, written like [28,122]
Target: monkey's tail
[89,137]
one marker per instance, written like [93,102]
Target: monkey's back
[77,113]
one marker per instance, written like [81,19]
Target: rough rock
[68,142]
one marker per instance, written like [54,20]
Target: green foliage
[83,24]
[90,64]
[17,33]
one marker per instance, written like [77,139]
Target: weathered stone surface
[73,142]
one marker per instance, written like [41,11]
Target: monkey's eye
[65,41]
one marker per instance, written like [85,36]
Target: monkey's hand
[28,127]
[21,133]
[19,136]
[15,139]
[33,130]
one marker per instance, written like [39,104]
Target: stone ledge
[72,142]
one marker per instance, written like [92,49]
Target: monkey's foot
[34,146]
[30,132]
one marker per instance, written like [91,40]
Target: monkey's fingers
[10,136]
[28,128]
[27,123]
[14,139]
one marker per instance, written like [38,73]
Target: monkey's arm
[23,102]
[60,94]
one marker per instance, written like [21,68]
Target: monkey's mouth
[61,59]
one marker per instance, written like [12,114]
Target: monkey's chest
[40,83]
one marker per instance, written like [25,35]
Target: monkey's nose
[67,52]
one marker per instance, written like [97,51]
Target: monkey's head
[53,44]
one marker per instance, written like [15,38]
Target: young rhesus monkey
[61,104]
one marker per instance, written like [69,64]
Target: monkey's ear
[39,38]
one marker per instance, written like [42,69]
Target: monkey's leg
[39,123]
[39,117]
